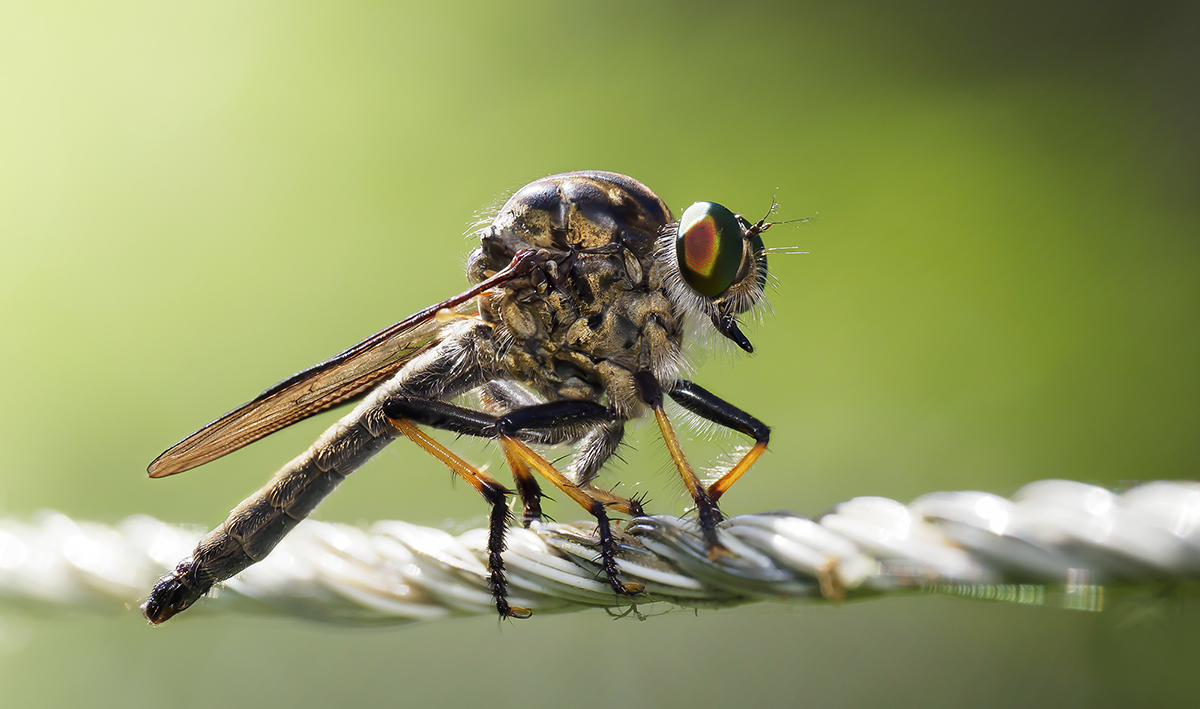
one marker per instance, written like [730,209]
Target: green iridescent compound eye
[709,248]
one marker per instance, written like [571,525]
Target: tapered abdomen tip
[175,592]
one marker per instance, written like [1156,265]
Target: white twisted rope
[1055,542]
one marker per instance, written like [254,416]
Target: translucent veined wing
[327,384]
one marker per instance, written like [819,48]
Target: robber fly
[584,288]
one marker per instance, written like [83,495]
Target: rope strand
[1055,542]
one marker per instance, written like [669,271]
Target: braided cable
[1055,542]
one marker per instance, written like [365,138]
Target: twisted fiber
[1055,542]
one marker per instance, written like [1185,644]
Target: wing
[327,384]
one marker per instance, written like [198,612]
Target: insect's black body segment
[579,328]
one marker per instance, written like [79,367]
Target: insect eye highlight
[709,248]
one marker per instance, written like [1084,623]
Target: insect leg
[403,412]
[704,403]
[496,496]
[706,507]
[595,430]
[559,421]
[549,423]
[594,501]
[531,495]
[595,427]
[603,436]
[555,421]
[592,450]
[499,397]
[561,417]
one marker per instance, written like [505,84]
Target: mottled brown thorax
[597,311]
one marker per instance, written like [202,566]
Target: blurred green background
[1003,285]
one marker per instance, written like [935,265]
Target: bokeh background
[1003,285]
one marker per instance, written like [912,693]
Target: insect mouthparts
[728,327]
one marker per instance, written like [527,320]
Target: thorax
[575,328]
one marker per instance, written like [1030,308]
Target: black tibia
[707,512]
[702,402]
[254,527]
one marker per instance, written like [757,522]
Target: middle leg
[498,397]
[553,422]
[707,512]
[596,502]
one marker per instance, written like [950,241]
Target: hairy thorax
[597,310]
